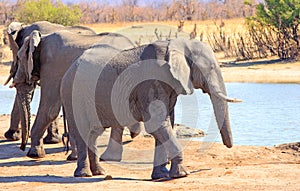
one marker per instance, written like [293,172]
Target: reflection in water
[268,115]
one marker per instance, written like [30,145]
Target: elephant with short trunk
[51,55]
[17,32]
[106,87]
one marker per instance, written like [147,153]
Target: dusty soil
[212,167]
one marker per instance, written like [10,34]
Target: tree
[31,11]
[282,19]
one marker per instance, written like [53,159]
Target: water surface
[268,115]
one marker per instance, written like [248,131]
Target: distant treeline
[141,11]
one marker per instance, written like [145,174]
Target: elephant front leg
[114,148]
[14,133]
[160,161]
[172,147]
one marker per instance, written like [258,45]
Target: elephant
[106,87]
[17,32]
[51,55]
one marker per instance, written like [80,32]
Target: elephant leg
[160,162]
[135,129]
[53,136]
[82,169]
[73,155]
[93,152]
[14,133]
[47,112]
[172,147]
[114,148]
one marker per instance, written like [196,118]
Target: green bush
[276,27]
[32,11]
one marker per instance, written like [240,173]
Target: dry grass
[231,26]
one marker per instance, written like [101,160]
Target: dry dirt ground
[212,167]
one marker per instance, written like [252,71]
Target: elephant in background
[17,32]
[106,87]
[52,54]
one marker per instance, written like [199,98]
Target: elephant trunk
[222,117]
[14,48]
[24,95]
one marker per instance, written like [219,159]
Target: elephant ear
[35,39]
[179,67]
[25,54]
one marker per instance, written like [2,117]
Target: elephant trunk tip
[229,145]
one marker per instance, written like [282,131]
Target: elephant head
[194,65]
[23,82]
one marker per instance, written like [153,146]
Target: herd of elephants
[105,80]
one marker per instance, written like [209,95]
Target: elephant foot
[159,172]
[36,152]
[178,171]
[82,172]
[115,156]
[134,134]
[98,171]
[52,138]
[12,135]
[72,157]
[109,159]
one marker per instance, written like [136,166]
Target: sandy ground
[212,167]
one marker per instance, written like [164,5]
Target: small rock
[294,146]
[108,177]
[180,130]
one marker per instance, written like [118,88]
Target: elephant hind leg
[93,152]
[53,137]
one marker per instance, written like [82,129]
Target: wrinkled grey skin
[17,32]
[53,54]
[107,81]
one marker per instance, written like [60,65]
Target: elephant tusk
[8,79]
[228,99]
[12,85]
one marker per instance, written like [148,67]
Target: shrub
[275,27]
[31,11]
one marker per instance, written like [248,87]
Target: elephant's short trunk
[24,94]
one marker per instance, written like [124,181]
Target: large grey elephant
[51,55]
[106,87]
[17,32]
